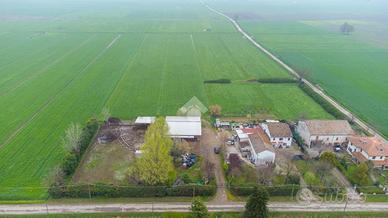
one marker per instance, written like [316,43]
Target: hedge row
[114,191]
[72,159]
[277,80]
[370,190]
[222,81]
[327,190]
[289,190]
[325,104]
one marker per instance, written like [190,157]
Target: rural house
[279,134]
[327,132]
[255,141]
[371,149]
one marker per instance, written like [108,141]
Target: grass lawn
[376,198]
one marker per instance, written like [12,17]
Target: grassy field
[305,34]
[275,100]
[63,62]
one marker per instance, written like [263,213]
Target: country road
[179,207]
[350,115]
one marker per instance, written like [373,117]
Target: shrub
[198,209]
[256,205]
[287,190]
[219,81]
[370,190]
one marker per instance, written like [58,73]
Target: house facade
[253,140]
[371,149]
[279,134]
[326,132]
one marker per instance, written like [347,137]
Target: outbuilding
[184,127]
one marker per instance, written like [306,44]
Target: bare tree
[265,174]
[72,137]
[215,110]
[208,169]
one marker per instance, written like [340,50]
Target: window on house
[336,139]
[374,157]
[281,139]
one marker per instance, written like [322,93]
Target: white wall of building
[265,157]
[304,132]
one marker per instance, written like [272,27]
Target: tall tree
[198,209]
[329,157]
[360,175]
[346,28]
[155,164]
[257,204]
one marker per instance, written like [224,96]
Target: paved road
[316,89]
[178,207]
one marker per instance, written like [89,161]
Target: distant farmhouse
[179,127]
[279,133]
[371,149]
[328,132]
[254,142]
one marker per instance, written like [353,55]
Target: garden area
[242,178]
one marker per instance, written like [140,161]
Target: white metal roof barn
[184,127]
[144,120]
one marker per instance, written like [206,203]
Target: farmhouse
[254,140]
[279,134]
[371,149]
[327,132]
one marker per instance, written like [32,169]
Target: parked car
[337,148]
[230,142]
[217,149]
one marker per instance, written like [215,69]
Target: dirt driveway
[209,140]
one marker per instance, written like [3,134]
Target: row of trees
[256,206]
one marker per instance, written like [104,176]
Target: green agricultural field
[353,68]
[64,62]
[281,101]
